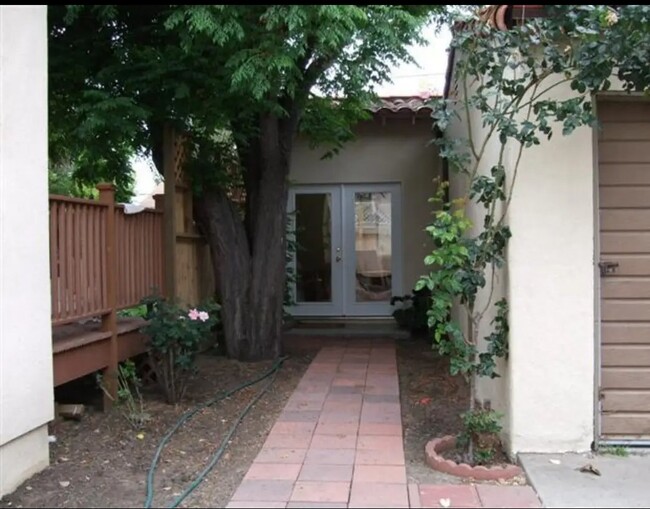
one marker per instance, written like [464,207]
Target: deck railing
[101,259]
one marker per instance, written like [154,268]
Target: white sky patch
[428,75]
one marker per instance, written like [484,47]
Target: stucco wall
[396,151]
[25,334]
[547,391]
[551,294]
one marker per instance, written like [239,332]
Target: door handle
[338,254]
[607,268]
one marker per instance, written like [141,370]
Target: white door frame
[343,256]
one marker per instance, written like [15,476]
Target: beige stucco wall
[394,151]
[547,391]
[26,393]
[551,294]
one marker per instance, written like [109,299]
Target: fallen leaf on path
[140,436]
[555,462]
[64,484]
[445,502]
[589,469]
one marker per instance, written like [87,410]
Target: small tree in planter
[506,77]
[176,335]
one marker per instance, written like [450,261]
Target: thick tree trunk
[250,262]
[231,264]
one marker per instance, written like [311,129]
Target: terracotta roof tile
[502,17]
[413,104]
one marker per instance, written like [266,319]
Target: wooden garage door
[624,189]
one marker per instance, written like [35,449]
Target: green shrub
[480,435]
[176,335]
[412,312]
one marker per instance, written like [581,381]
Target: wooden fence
[189,276]
[95,247]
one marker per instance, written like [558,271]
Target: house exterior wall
[26,394]
[546,392]
[396,151]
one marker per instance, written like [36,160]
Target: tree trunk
[251,264]
[231,264]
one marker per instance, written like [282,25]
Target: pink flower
[194,314]
[203,316]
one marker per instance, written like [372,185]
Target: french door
[347,255]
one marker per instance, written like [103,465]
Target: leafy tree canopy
[118,72]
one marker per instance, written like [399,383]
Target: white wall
[26,393]
[397,151]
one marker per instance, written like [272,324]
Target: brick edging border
[480,473]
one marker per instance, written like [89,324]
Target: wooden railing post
[160,200]
[109,321]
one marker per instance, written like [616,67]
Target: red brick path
[338,443]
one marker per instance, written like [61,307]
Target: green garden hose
[224,443]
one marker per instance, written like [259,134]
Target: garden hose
[224,443]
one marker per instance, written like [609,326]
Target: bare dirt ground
[101,462]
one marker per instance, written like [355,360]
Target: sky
[407,79]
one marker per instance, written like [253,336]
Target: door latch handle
[607,268]
[338,254]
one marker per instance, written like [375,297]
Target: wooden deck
[81,349]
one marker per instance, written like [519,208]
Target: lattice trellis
[179,159]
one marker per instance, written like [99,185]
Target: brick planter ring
[480,473]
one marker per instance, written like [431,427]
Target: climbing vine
[503,99]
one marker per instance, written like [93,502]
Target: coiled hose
[224,443]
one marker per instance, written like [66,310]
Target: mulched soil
[432,401]
[101,462]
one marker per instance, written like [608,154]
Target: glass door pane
[313,236]
[373,246]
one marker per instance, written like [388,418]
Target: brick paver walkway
[338,443]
